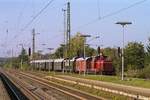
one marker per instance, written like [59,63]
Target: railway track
[13,91]
[133,92]
[50,88]
[66,90]
[3,92]
[40,78]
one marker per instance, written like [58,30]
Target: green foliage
[76,48]
[112,54]
[59,52]
[24,56]
[12,63]
[90,51]
[145,73]
[147,54]
[134,55]
[148,47]
[16,61]
[76,45]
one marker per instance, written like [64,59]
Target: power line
[93,21]
[98,9]
[123,9]
[31,21]
[37,14]
[20,16]
[112,14]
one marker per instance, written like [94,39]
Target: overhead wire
[98,9]
[91,22]
[30,22]
[99,14]
[35,17]
[20,16]
[111,14]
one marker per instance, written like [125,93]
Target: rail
[13,91]
[80,95]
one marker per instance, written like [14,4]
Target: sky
[16,14]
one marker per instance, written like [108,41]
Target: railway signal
[119,52]
[99,50]
[29,52]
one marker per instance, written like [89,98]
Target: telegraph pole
[33,44]
[12,57]
[21,56]
[68,25]
[65,44]
[64,25]
[68,31]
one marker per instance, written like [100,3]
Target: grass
[113,79]
[96,92]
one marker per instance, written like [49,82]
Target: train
[96,64]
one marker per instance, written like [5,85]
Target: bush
[132,73]
[145,73]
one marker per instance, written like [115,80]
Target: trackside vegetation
[137,57]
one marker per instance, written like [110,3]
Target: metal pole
[64,25]
[84,46]
[12,58]
[84,55]
[65,35]
[84,36]
[123,26]
[84,58]
[68,30]
[123,54]
[33,44]
[21,56]
[21,63]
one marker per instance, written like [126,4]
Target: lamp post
[63,46]
[85,36]
[96,37]
[39,54]
[50,54]
[50,49]
[123,24]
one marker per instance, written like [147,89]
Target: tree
[15,62]
[76,45]
[145,73]
[76,48]
[134,55]
[23,57]
[90,51]
[112,54]
[59,52]
[12,62]
[147,54]
[148,47]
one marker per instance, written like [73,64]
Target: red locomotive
[98,64]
